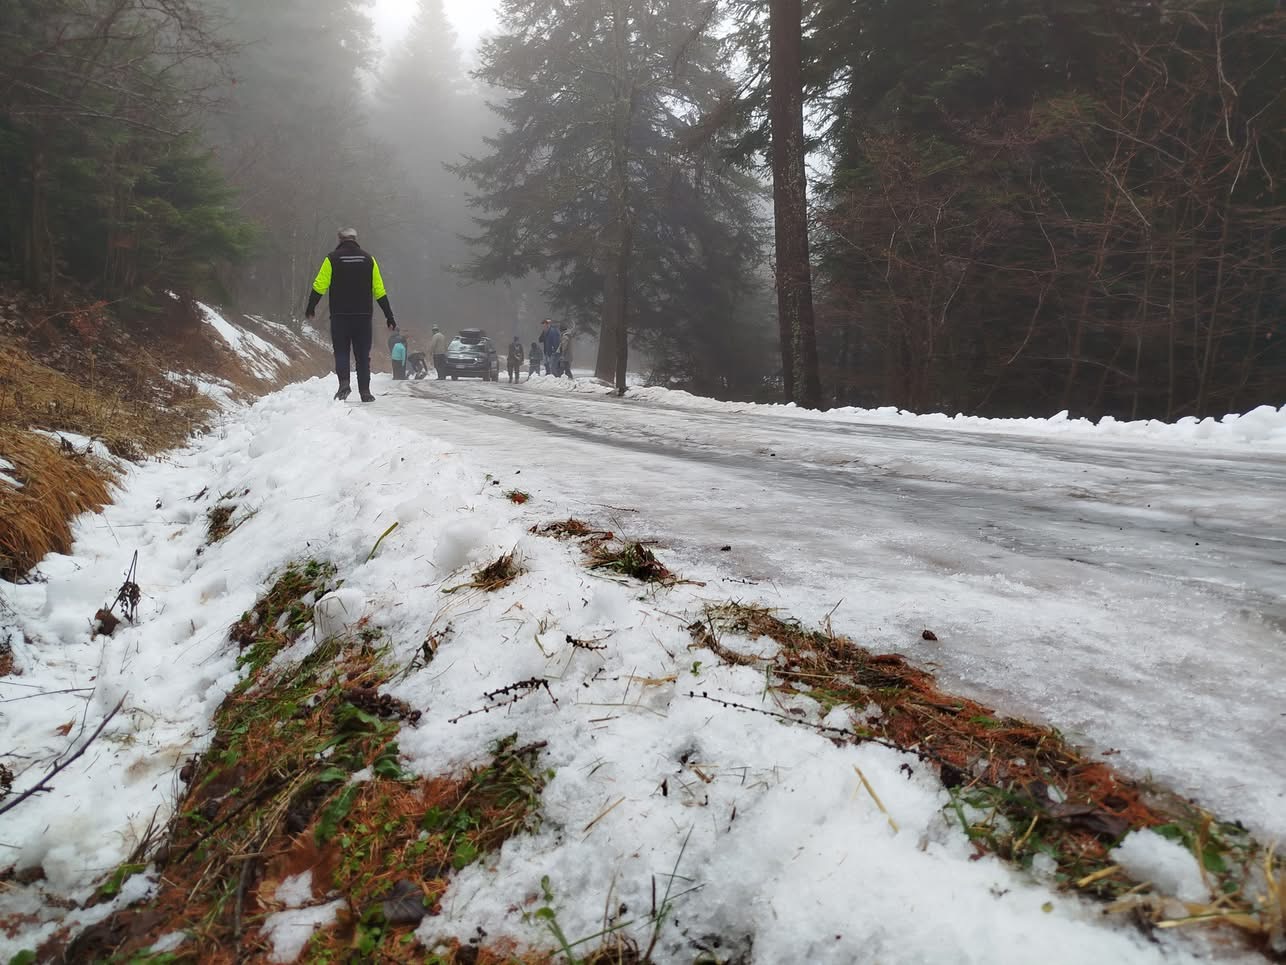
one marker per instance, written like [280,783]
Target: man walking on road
[352,277]
[438,349]
[549,339]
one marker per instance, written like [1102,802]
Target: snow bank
[791,859]
[1263,428]
[82,444]
[1146,856]
[261,357]
[289,931]
[6,474]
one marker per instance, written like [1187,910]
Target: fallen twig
[42,784]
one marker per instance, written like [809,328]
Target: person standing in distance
[549,339]
[352,277]
[438,349]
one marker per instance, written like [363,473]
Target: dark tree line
[1034,208]
[107,185]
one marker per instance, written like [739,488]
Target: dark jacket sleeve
[385,307]
[314,297]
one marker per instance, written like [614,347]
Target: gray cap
[349,234]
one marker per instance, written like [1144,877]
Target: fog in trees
[1010,209]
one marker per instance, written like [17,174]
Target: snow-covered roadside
[260,357]
[1262,428]
[792,857]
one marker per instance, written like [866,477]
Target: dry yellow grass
[34,396]
[57,487]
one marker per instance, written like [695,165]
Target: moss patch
[305,774]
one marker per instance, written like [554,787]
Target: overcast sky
[471,19]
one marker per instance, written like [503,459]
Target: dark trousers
[515,371]
[399,370]
[440,364]
[352,333]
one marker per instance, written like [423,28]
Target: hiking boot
[342,393]
[367,397]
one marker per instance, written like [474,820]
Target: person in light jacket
[565,340]
[398,354]
[438,349]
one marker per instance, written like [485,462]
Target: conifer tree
[295,136]
[431,114]
[602,179]
[105,184]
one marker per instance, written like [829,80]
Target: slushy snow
[263,359]
[1263,427]
[289,931]
[763,835]
[1172,868]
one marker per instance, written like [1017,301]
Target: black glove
[310,315]
[392,325]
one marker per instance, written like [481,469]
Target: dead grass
[57,487]
[572,529]
[59,483]
[146,415]
[494,576]
[1017,789]
[630,558]
[219,521]
[73,367]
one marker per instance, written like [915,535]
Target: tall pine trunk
[790,206]
[613,342]
[37,248]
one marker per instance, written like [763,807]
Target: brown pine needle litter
[1017,789]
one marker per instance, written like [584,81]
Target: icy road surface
[1132,595]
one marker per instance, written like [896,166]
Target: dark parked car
[472,356]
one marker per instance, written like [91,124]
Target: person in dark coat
[550,336]
[515,360]
[352,278]
[534,358]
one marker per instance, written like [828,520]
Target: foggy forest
[643,482]
[997,208]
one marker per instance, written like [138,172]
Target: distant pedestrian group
[557,343]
